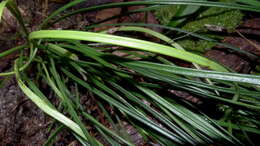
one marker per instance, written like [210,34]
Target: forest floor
[22,123]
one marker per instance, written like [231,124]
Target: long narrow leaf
[47,109]
[161,2]
[2,6]
[127,42]
[252,79]
[58,11]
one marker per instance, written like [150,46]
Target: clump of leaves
[137,89]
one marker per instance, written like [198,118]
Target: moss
[226,18]
[166,13]
[198,45]
[220,17]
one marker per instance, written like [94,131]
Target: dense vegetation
[136,87]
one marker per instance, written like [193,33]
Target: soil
[22,123]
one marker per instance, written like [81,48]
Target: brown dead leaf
[243,44]
[186,96]
[248,34]
[144,17]
[230,60]
[107,13]
[8,22]
[74,143]
[252,23]
[250,27]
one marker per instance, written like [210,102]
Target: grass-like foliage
[136,87]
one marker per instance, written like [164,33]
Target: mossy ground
[218,17]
